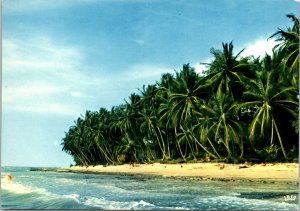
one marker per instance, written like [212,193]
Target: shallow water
[51,190]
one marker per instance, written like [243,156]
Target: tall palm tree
[289,47]
[270,99]
[225,71]
[219,125]
[181,102]
[150,128]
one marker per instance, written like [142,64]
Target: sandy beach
[219,171]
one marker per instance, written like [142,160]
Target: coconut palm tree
[219,125]
[186,115]
[149,127]
[225,71]
[289,47]
[270,99]
[182,100]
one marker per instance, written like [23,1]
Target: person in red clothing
[8,178]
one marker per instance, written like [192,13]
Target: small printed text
[290,197]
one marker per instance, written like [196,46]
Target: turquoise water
[51,190]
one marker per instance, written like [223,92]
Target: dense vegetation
[241,108]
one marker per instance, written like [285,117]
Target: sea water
[52,190]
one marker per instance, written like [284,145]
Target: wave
[232,202]
[21,189]
[107,204]
[87,201]
[73,196]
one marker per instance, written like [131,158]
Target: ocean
[52,190]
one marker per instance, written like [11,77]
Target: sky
[62,57]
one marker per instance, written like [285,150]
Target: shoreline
[271,172]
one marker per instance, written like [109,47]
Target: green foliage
[241,109]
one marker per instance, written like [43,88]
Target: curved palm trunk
[192,150]
[85,158]
[163,143]
[159,139]
[103,152]
[242,148]
[227,137]
[110,154]
[204,148]
[185,151]
[213,148]
[168,146]
[81,159]
[159,144]
[178,145]
[150,152]
[279,138]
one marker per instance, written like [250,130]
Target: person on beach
[8,178]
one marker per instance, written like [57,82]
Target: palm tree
[270,99]
[71,148]
[150,128]
[149,102]
[219,124]
[129,148]
[186,115]
[225,72]
[150,98]
[289,48]
[181,103]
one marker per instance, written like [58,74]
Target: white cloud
[297,0]
[45,107]
[40,55]
[200,67]
[259,48]
[14,94]
[43,76]
[39,73]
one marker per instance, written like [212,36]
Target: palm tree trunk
[192,150]
[213,148]
[204,148]
[178,145]
[163,143]
[242,148]
[279,138]
[104,153]
[159,144]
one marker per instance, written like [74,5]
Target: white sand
[275,172]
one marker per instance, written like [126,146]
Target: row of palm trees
[240,108]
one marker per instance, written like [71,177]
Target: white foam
[106,204]
[70,181]
[176,208]
[21,189]
[140,204]
[248,203]
[73,196]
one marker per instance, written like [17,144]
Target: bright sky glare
[63,57]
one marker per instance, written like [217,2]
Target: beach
[219,171]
